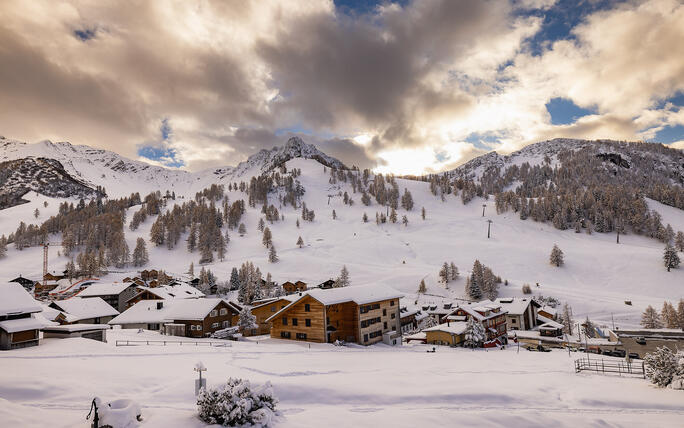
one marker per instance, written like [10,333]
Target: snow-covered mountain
[120,176]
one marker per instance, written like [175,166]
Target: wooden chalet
[183,317]
[19,328]
[80,310]
[326,285]
[449,333]
[359,314]
[294,287]
[164,292]
[28,284]
[551,329]
[115,294]
[263,309]
[489,314]
[521,313]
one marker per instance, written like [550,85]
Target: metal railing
[171,342]
[610,366]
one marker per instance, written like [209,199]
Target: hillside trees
[343,279]
[140,256]
[300,242]
[556,257]
[670,257]
[650,318]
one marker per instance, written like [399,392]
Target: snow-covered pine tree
[490,287]
[261,225]
[234,279]
[404,220]
[393,215]
[267,239]
[453,271]
[246,320]
[650,318]
[365,218]
[140,256]
[670,257]
[680,314]
[343,279]
[242,229]
[300,242]
[589,329]
[221,247]
[272,256]
[407,200]
[662,365]
[556,257]
[206,255]
[3,246]
[474,334]
[474,285]
[192,238]
[422,288]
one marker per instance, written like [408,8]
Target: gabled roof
[81,308]
[22,324]
[146,312]
[166,292]
[359,294]
[516,306]
[458,327]
[551,325]
[15,300]
[105,289]
[473,308]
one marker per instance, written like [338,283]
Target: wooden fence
[171,342]
[611,366]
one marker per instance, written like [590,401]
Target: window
[226,324]
[284,320]
[273,308]
[215,325]
[301,336]
[213,313]
[392,303]
[223,311]
[375,334]
[365,338]
[307,308]
[384,312]
[393,315]
[192,327]
[384,325]
[307,322]
[285,334]
[294,321]
[199,327]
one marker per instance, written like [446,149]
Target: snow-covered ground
[325,385]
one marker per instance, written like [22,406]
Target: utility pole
[45,261]
[618,230]
[489,228]
[483,209]
[613,319]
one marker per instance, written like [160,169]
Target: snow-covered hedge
[237,404]
[663,365]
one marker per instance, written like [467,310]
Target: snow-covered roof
[548,309]
[551,325]
[14,300]
[473,308]
[452,327]
[21,324]
[105,289]
[70,328]
[84,308]
[146,312]
[515,306]
[544,319]
[359,294]
[176,291]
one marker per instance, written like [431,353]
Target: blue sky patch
[161,151]
[670,134]
[564,111]
[85,34]
[361,7]
[484,140]
[677,100]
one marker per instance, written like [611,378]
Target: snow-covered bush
[474,334]
[237,404]
[662,365]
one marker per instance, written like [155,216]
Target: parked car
[640,340]
[634,356]
[618,353]
[537,348]
[606,352]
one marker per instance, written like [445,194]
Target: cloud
[401,86]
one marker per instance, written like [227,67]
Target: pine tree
[365,218]
[206,255]
[343,279]
[140,256]
[3,246]
[662,365]
[650,318]
[272,256]
[668,315]
[589,329]
[556,257]
[422,288]
[679,241]
[407,200]
[297,222]
[300,242]
[444,273]
[490,288]
[221,247]
[453,271]
[567,320]
[393,216]
[242,229]
[334,215]
[36,213]
[267,238]
[261,225]
[234,279]
[192,238]
[191,270]
[246,320]
[474,334]
[404,220]
[670,257]
[422,213]
[474,283]
[680,314]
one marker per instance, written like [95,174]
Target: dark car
[634,356]
[618,353]
[606,352]
[640,340]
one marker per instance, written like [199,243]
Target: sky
[407,87]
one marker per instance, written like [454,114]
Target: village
[153,301]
